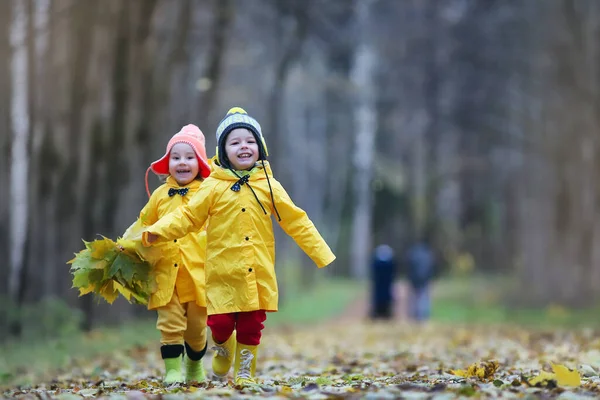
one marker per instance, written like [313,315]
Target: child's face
[183,164]
[241,149]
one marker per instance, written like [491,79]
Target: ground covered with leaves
[357,359]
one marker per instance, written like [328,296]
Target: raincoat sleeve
[187,218]
[132,238]
[149,214]
[147,217]
[299,227]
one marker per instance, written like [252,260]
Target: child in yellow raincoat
[237,200]
[180,299]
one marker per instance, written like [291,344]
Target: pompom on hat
[189,134]
[235,118]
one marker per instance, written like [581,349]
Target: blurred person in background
[383,271]
[420,263]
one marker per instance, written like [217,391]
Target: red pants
[247,325]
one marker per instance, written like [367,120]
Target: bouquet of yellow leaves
[108,268]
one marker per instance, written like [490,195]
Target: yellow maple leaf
[562,375]
[123,290]
[566,377]
[484,370]
[86,290]
[101,246]
[108,292]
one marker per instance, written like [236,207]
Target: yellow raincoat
[240,264]
[181,266]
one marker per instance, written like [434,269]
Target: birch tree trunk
[18,215]
[362,76]
[6,139]
[5,149]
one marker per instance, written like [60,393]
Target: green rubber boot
[173,368]
[194,371]
[171,355]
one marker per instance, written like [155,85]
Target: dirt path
[359,309]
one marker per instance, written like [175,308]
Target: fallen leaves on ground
[561,376]
[363,360]
[483,370]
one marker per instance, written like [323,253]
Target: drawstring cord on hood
[237,186]
[244,179]
[270,190]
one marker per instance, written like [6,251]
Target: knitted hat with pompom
[235,118]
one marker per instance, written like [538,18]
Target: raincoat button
[249,269]
[243,209]
[175,241]
[247,238]
[174,265]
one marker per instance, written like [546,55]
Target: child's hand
[151,237]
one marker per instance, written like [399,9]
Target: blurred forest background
[474,122]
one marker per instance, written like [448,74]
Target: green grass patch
[22,361]
[326,299]
[482,300]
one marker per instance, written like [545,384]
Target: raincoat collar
[256,173]
[172,183]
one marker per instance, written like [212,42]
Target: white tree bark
[18,216]
[362,76]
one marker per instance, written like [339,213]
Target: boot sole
[218,378]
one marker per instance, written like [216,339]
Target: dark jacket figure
[421,263]
[382,279]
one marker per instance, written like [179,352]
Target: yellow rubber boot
[223,358]
[245,365]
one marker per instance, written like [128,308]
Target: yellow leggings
[182,322]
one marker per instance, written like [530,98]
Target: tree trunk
[85,185]
[5,140]
[20,118]
[291,45]
[224,16]
[365,116]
